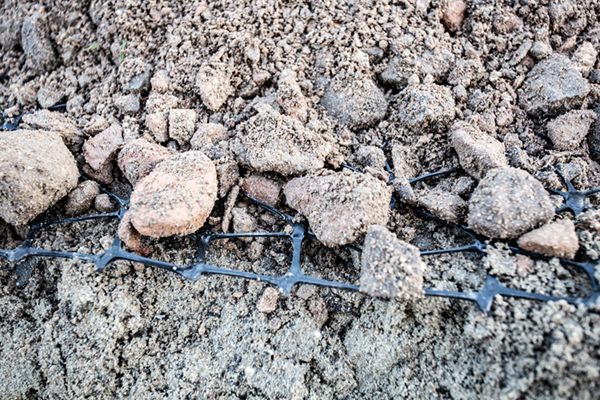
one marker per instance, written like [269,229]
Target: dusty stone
[540,49]
[103,175]
[425,105]
[36,43]
[75,105]
[263,189]
[129,104]
[442,204]
[36,170]
[157,125]
[139,157]
[404,161]
[48,97]
[584,58]
[360,105]
[391,268]
[268,301]
[181,125]
[466,72]
[228,174]
[506,22]
[134,75]
[453,14]
[260,77]
[243,222]
[339,206]
[128,234]
[435,62]
[160,81]
[552,86]
[161,102]
[55,122]
[176,198]
[290,97]
[96,125]
[594,132]
[273,142]
[568,131]
[370,156]
[478,152]
[104,204]
[81,198]
[208,134]
[10,34]
[102,148]
[507,203]
[556,239]
[214,87]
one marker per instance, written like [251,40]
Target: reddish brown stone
[263,189]
[454,14]
[102,148]
[139,157]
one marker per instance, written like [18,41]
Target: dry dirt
[142,333]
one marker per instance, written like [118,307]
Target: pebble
[81,198]
[466,72]
[48,97]
[161,102]
[552,86]
[540,49]
[391,268]
[75,105]
[435,62]
[135,75]
[506,22]
[359,105]
[584,58]
[443,204]
[507,203]
[263,189]
[128,104]
[243,222]
[370,156]
[37,170]
[36,43]
[208,133]
[477,151]
[96,125]
[339,206]
[182,124]
[214,87]
[157,125]
[453,14]
[176,198]
[568,131]
[228,174]
[139,157]
[594,133]
[426,105]
[160,81]
[556,239]
[268,301]
[260,77]
[102,148]
[104,204]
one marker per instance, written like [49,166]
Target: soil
[139,332]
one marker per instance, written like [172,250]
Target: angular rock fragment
[96,125]
[161,102]
[270,141]
[104,204]
[129,104]
[557,239]
[157,125]
[391,268]
[552,86]
[360,105]
[339,205]
[102,148]
[371,156]
[160,81]
[36,43]
[507,203]
[214,87]
[182,124]
[466,72]
[243,222]
[404,161]
[443,204]
[594,133]
[290,97]
[207,134]
[176,198]
[453,14]
[228,174]
[56,122]
[139,157]
[36,170]
[568,131]
[81,198]
[478,152]
[263,189]
[436,62]
[268,301]
[48,97]
[134,75]
[584,58]
[421,106]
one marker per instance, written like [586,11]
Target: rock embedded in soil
[243,222]
[443,204]
[35,40]
[214,87]
[270,141]
[139,157]
[176,198]
[182,124]
[568,131]
[507,203]
[359,105]
[290,96]
[48,97]
[36,170]
[134,75]
[268,301]
[339,206]
[157,125]
[228,174]
[435,62]
[477,152]
[128,104]
[391,268]
[427,105]
[584,58]
[453,14]
[55,122]
[263,189]
[160,81]
[104,204]
[158,102]
[556,239]
[594,133]
[370,156]
[81,198]
[96,125]
[102,148]
[553,86]
[207,134]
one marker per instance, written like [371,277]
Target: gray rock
[36,170]
[594,133]
[421,106]
[182,124]
[568,131]
[507,203]
[48,97]
[129,104]
[137,78]
[436,62]
[10,34]
[391,268]
[36,43]
[553,86]
[371,156]
[75,105]
[357,106]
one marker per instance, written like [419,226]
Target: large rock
[507,203]
[478,152]
[568,131]
[270,141]
[553,86]
[36,43]
[339,206]
[360,105]
[391,268]
[557,239]
[176,198]
[421,106]
[36,170]
[139,157]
